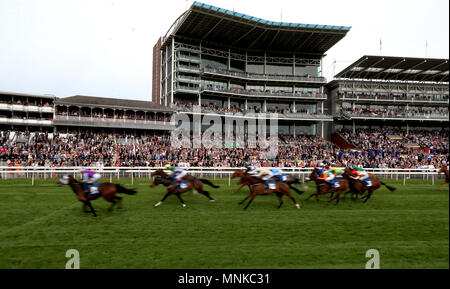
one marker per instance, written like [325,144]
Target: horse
[257,188]
[106,190]
[324,187]
[192,184]
[445,171]
[359,186]
[239,174]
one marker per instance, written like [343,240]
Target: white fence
[115,173]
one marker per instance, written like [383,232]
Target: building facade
[231,64]
[382,91]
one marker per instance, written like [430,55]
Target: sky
[104,47]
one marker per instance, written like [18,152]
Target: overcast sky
[104,47]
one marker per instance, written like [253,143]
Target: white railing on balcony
[109,119]
[393,99]
[26,108]
[249,93]
[263,77]
[29,121]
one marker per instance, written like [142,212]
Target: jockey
[252,170]
[89,178]
[176,173]
[363,176]
[338,172]
[274,172]
[330,177]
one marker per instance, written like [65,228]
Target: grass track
[409,227]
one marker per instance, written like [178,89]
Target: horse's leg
[368,196]
[241,202]
[90,207]
[206,194]
[443,183]
[163,199]
[238,189]
[181,200]
[119,201]
[313,194]
[113,203]
[293,200]
[280,199]
[252,197]
[84,208]
[338,197]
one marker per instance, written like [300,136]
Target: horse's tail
[388,187]
[296,190]
[206,182]
[124,190]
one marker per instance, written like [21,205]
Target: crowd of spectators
[396,111]
[119,115]
[375,149]
[254,75]
[236,109]
[396,96]
[381,148]
[34,102]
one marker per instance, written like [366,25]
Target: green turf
[38,224]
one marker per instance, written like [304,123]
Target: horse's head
[237,174]
[156,181]
[347,172]
[65,180]
[160,173]
[314,175]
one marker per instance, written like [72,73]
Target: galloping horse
[192,184]
[359,186]
[445,171]
[239,174]
[257,188]
[106,190]
[324,187]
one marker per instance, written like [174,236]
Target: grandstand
[20,111]
[232,64]
[380,112]
[398,95]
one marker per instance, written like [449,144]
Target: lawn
[38,224]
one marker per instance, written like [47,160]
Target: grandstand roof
[49,96]
[103,102]
[216,25]
[397,68]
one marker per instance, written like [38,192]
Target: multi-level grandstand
[230,62]
[379,112]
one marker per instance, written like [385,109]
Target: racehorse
[445,171]
[324,187]
[257,188]
[359,186]
[106,190]
[239,174]
[192,183]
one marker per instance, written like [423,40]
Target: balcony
[191,59]
[265,94]
[21,121]
[188,69]
[263,77]
[248,114]
[395,99]
[113,122]
[26,108]
[403,116]
[189,79]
